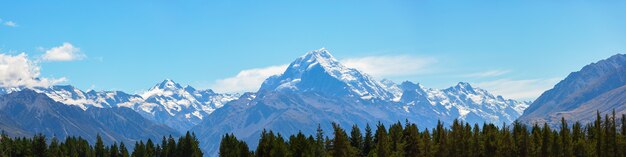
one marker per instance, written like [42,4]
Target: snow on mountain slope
[462,101]
[70,95]
[317,89]
[166,103]
[181,107]
[319,71]
[27,113]
[176,98]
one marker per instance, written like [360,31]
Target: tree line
[605,137]
[38,146]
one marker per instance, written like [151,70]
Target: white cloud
[490,73]
[19,71]
[528,89]
[389,66]
[10,24]
[248,80]
[65,52]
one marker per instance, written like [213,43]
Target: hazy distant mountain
[27,112]
[471,104]
[166,103]
[599,87]
[316,88]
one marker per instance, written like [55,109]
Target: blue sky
[513,48]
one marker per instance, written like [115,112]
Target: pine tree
[150,148]
[54,149]
[298,145]
[546,139]
[566,140]
[411,140]
[232,147]
[534,149]
[171,147]
[520,136]
[39,145]
[426,144]
[611,135]
[458,140]
[356,139]
[320,149]
[265,144]
[476,144]
[195,146]
[578,140]
[396,136]
[505,145]
[280,147]
[140,149]
[114,151]
[598,135]
[164,147]
[340,144]
[382,147]
[440,140]
[368,141]
[490,132]
[123,150]
[99,147]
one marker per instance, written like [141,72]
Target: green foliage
[38,146]
[232,147]
[356,139]
[604,137]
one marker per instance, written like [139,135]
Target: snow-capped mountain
[71,95]
[320,72]
[317,89]
[26,113]
[181,107]
[471,104]
[166,103]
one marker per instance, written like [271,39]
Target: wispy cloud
[19,71]
[247,80]
[390,66]
[65,52]
[10,24]
[525,89]
[490,73]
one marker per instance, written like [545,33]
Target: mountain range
[166,103]
[315,89]
[26,112]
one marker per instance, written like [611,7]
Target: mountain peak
[319,71]
[320,57]
[319,53]
[168,84]
[618,57]
[464,85]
